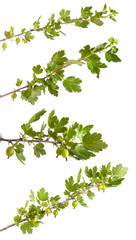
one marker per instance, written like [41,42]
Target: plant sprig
[53,27]
[40,205]
[74,141]
[54,72]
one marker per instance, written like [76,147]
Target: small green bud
[4,46]
[17,40]
[74,204]
[47,211]
[32,82]
[9,151]
[65,153]
[13,95]
[59,139]
[55,212]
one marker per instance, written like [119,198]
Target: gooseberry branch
[59,204]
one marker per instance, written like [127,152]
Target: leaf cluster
[41,204]
[78,140]
[54,72]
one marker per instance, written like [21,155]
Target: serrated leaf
[37,116]
[114,182]
[28,36]
[39,150]
[60,127]
[42,195]
[65,15]
[80,23]
[119,171]
[96,20]
[93,142]
[71,132]
[81,131]
[72,84]
[31,94]
[86,12]
[81,201]
[94,64]
[81,153]
[90,195]
[37,69]
[110,56]
[26,227]
[70,184]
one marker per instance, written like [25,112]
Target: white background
[108,103]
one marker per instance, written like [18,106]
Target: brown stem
[30,140]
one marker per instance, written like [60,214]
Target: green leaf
[28,36]
[42,195]
[65,15]
[94,64]
[32,196]
[37,69]
[90,195]
[110,56]
[17,220]
[39,150]
[70,184]
[52,120]
[81,131]
[80,23]
[86,51]
[57,61]
[31,94]
[96,20]
[36,24]
[81,201]
[19,82]
[72,84]
[71,131]
[119,171]
[26,227]
[81,153]
[36,116]
[60,127]
[86,12]
[114,182]
[79,176]
[19,152]
[93,142]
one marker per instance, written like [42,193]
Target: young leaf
[79,175]
[42,195]
[36,116]
[37,69]
[70,184]
[81,131]
[52,120]
[65,15]
[32,196]
[81,153]
[90,195]
[39,150]
[72,84]
[81,201]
